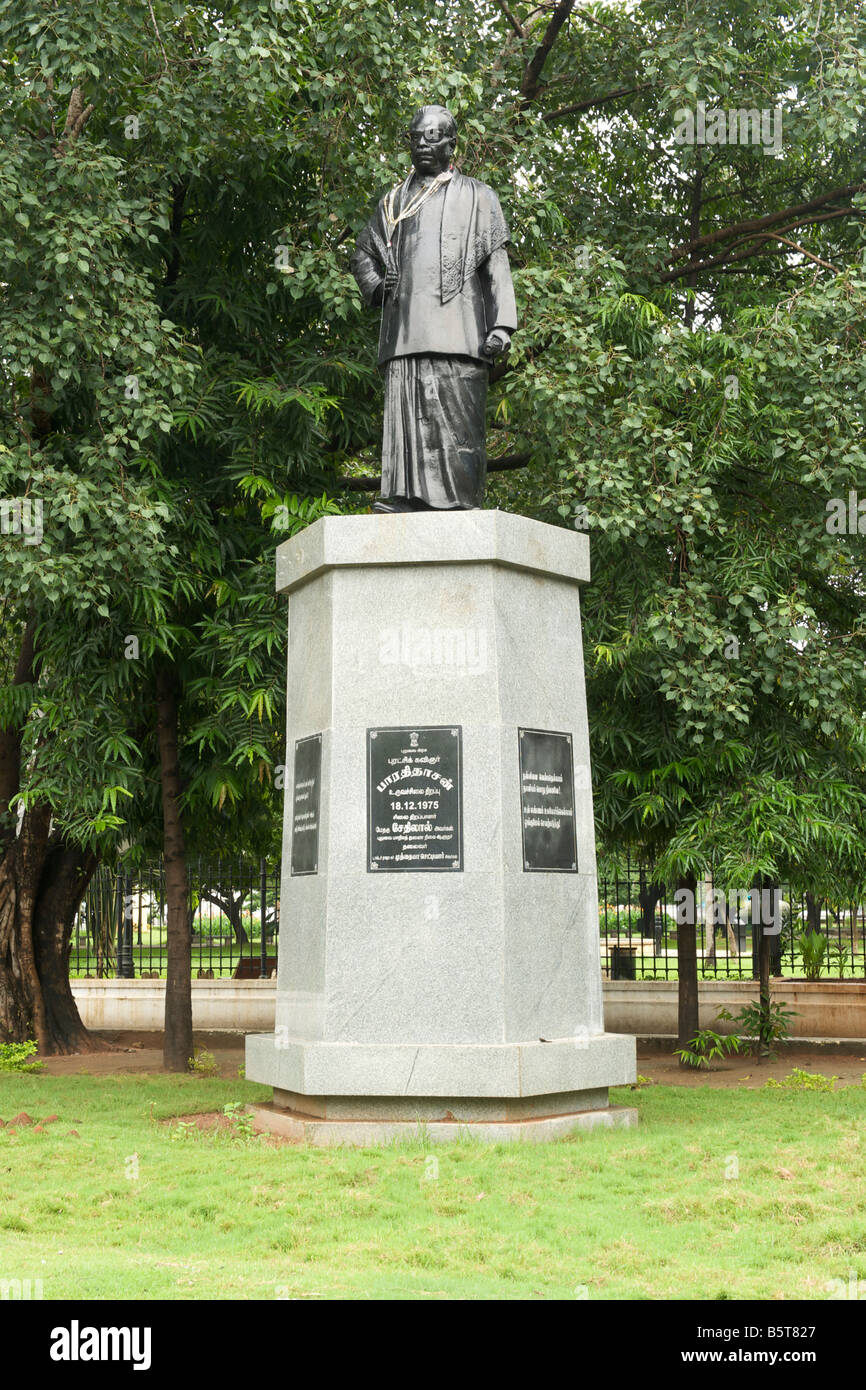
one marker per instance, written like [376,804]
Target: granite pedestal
[439,952]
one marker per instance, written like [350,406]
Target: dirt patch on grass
[207,1121]
[744,1072]
[142,1052]
[215,1122]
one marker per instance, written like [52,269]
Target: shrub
[813,950]
[765,1032]
[706,1045]
[203,1063]
[13,1057]
[806,1081]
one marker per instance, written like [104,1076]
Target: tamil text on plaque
[547,802]
[305,805]
[414,799]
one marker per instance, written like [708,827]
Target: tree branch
[178,197]
[576,107]
[695,229]
[77,116]
[758,224]
[158,35]
[804,252]
[505,463]
[512,18]
[752,246]
[530,84]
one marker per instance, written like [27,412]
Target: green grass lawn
[646,1213]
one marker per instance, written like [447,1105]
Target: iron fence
[120,929]
[810,937]
[234,906]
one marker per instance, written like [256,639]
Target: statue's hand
[496,343]
[391,278]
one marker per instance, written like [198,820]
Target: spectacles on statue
[418,138]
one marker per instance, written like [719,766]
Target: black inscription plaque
[415,800]
[305,809]
[547,802]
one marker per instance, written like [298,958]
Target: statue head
[432,138]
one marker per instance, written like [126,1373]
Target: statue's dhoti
[433,450]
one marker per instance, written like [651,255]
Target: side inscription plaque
[415,800]
[547,802]
[305,805]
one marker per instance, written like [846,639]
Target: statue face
[432,148]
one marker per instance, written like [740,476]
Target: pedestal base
[410,1071]
[306,1129]
[439,963]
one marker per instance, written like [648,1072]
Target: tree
[75,468]
[697,411]
[687,384]
[214,402]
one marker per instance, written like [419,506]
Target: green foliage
[762,1027]
[623,920]
[204,250]
[203,1063]
[813,952]
[706,1045]
[184,1129]
[13,1057]
[241,1121]
[839,955]
[798,1080]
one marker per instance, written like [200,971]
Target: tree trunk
[709,919]
[177,1044]
[67,871]
[765,942]
[28,858]
[764,993]
[231,908]
[649,896]
[42,882]
[10,738]
[688,1020]
[733,941]
[17,974]
[813,913]
[15,1012]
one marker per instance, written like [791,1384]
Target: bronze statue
[433,256]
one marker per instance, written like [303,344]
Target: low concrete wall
[244,1006]
[825,1009]
[643,1007]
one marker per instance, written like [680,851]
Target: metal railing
[120,929]
[810,937]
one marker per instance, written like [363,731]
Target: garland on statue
[392,219]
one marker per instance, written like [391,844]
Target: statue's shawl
[473,227]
